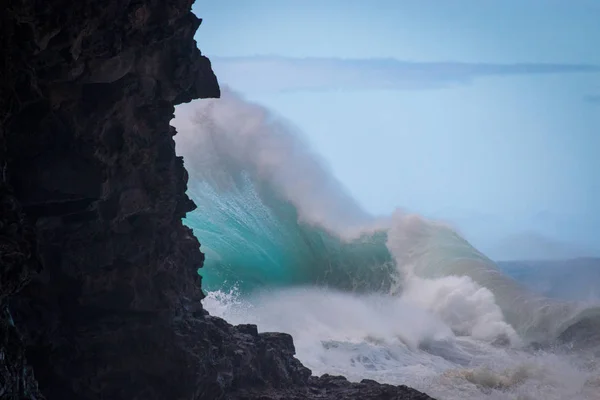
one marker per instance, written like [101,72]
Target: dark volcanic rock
[96,266]
[17,263]
[252,366]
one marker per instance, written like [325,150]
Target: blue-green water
[252,240]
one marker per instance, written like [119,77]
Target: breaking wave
[281,236]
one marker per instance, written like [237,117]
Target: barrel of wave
[431,250]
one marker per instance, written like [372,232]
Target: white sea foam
[392,340]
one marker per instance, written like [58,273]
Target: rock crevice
[99,291]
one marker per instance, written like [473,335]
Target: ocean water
[399,299]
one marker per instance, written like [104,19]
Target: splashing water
[401,300]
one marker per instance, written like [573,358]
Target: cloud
[592,99]
[280,74]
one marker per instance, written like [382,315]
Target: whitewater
[399,299]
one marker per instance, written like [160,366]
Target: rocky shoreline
[98,285]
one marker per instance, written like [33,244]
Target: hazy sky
[486,113]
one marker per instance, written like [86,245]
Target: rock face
[88,92]
[99,294]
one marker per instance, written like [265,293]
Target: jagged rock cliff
[98,285]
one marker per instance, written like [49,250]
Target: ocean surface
[399,299]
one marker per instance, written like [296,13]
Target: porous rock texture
[99,291]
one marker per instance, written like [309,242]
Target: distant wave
[271,215]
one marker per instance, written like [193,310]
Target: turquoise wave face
[253,239]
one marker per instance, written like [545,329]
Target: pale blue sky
[500,149]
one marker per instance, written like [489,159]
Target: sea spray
[431,250]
